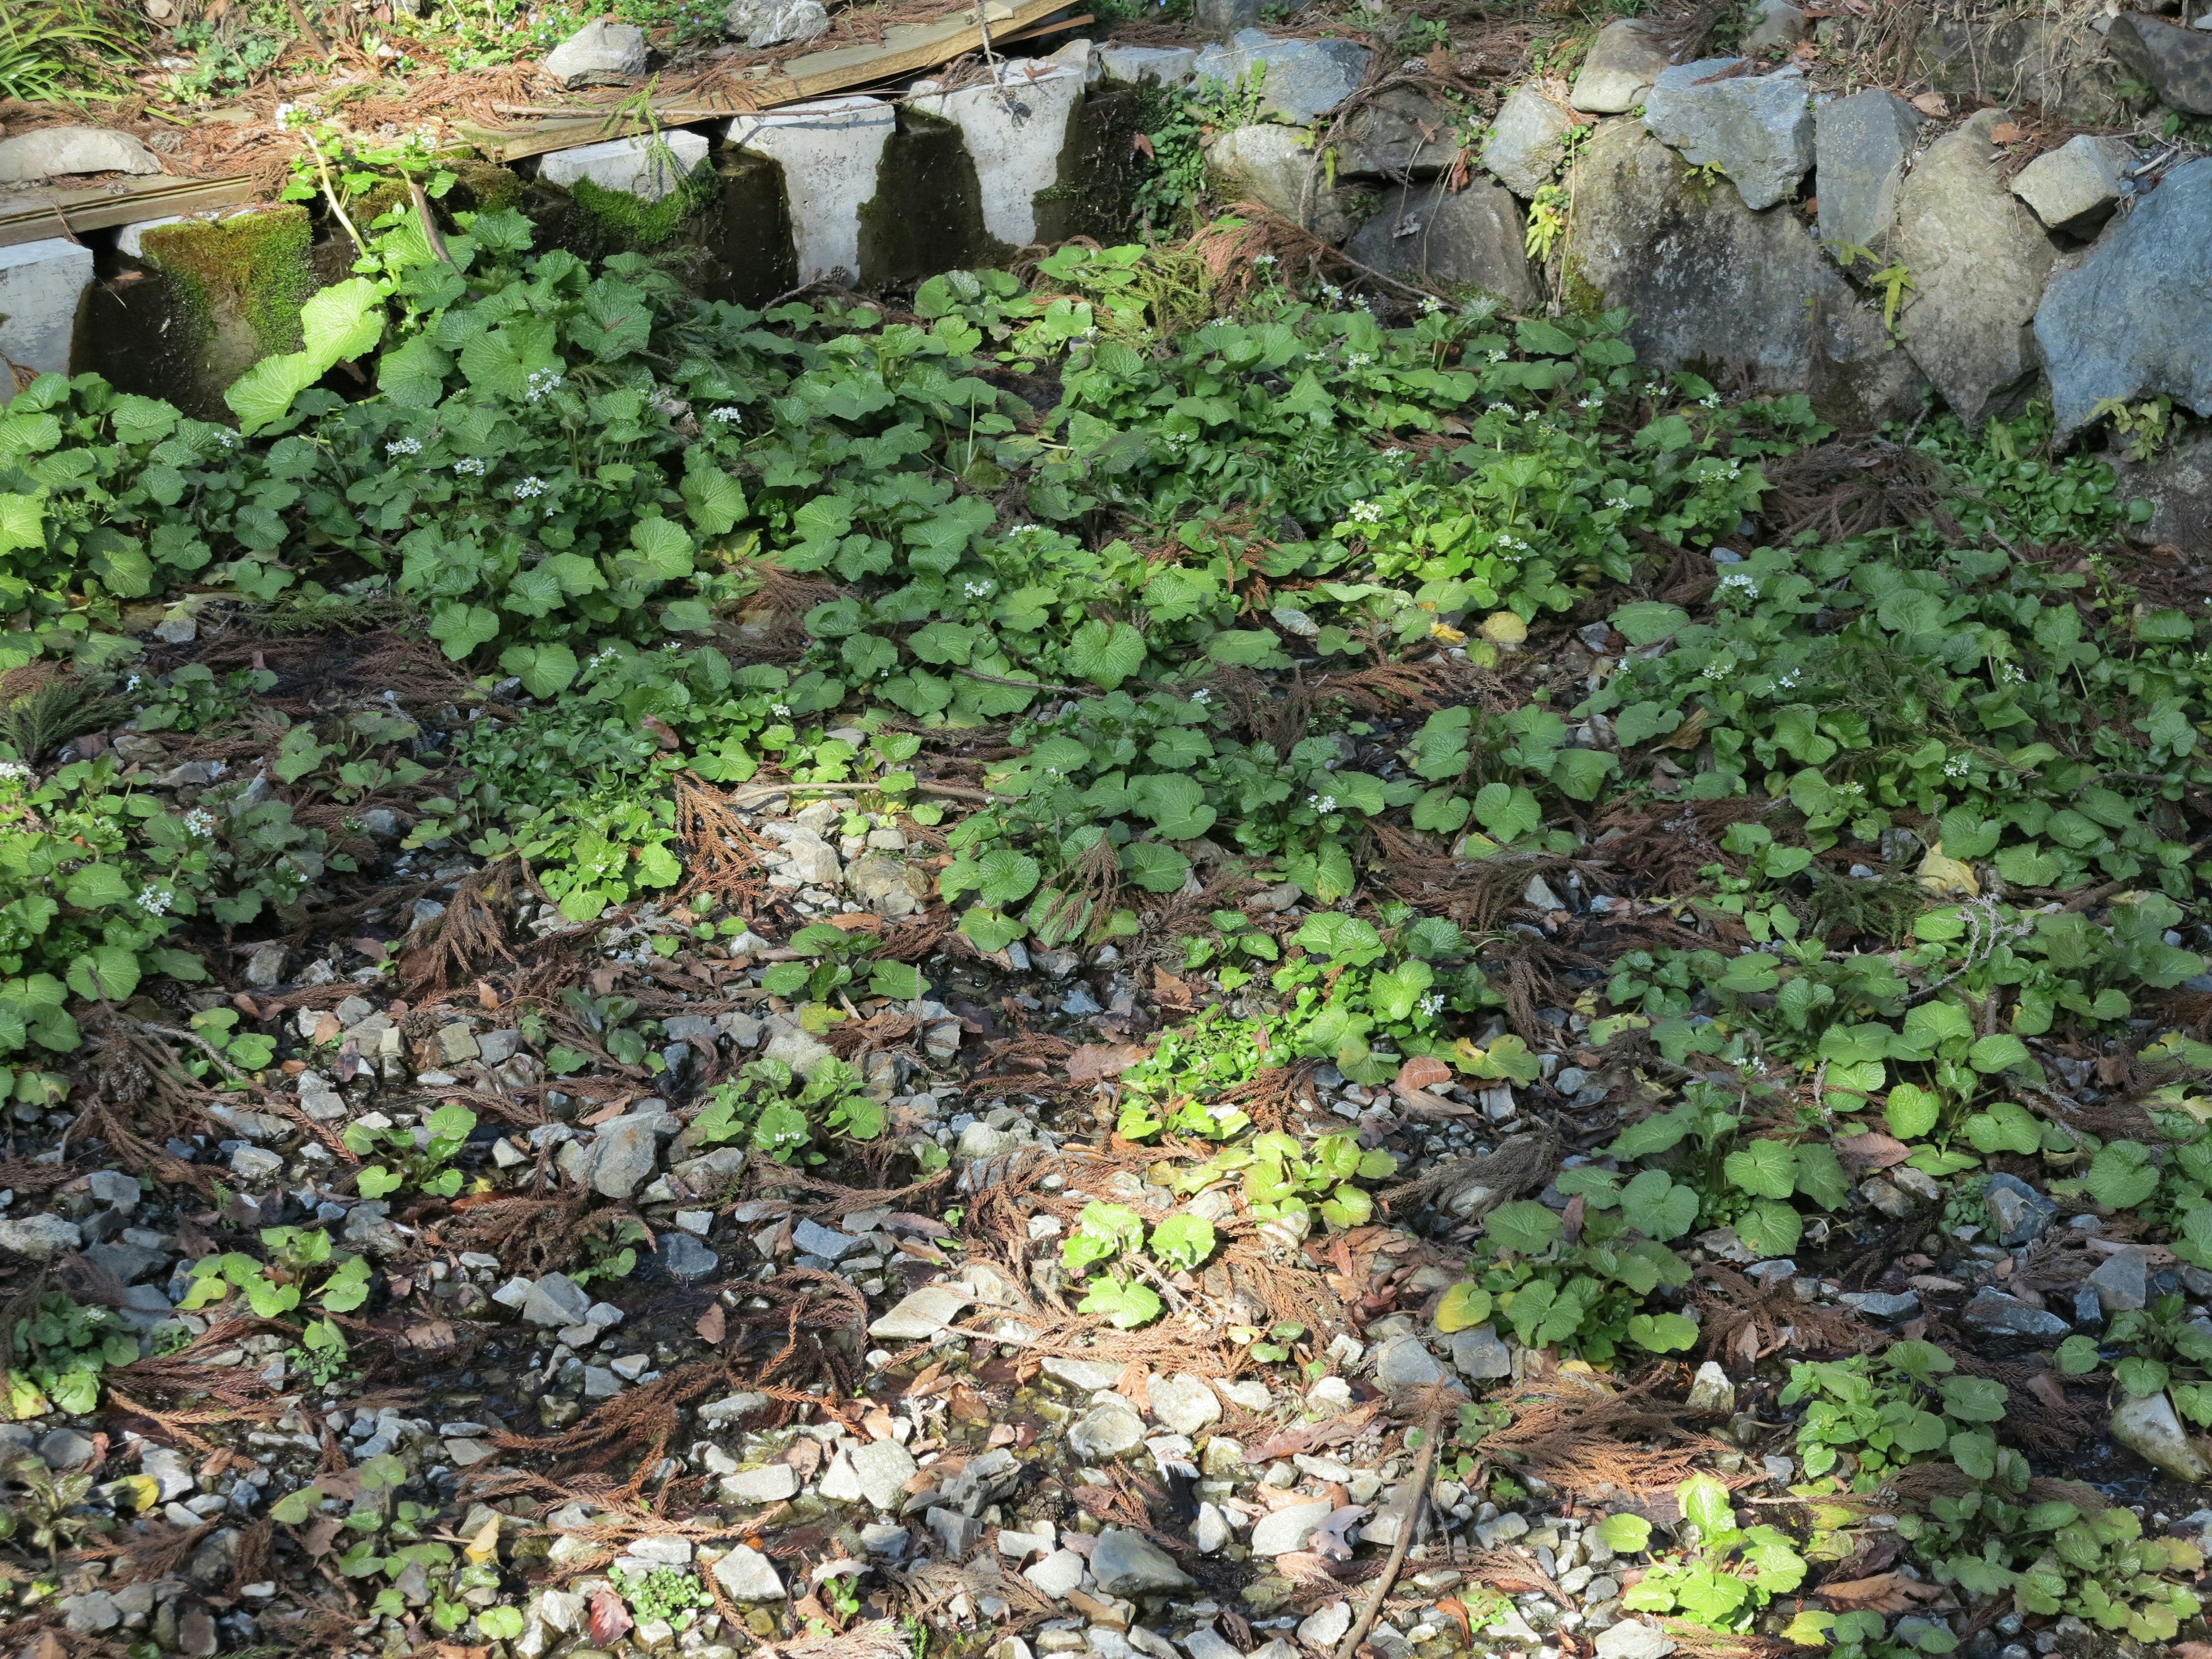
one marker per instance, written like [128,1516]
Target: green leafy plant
[773,1110]
[56,1351]
[421,1158]
[1731,1573]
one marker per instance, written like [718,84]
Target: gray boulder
[1272,164]
[1524,146]
[746,1575]
[2076,187]
[1402,134]
[2177,484]
[1619,67]
[1756,129]
[556,1300]
[1860,145]
[2019,1212]
[1106,1432]
[761,24]
[55,150]
[1715,287]
[1979,261]
[1303,79]
[1127,1563]
[2006,1316]
[1470,237]
[38,1238]
[2148,1427]
[2133,319]
[2175,61]
[601,53]
[623,1155]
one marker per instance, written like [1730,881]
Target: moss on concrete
[636,226]
[248,274]
[927,214]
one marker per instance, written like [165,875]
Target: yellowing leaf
[485,1546]
[1942,874]
[1465,1305]
[1445,632]
[1504,628]
[142,1490]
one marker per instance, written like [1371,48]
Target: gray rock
[1995,1311]
[769,1483]
[1860,146]
[2123,1282]
[2019,1212]
[1280,1531]
[1325,1626]
[168,1470]
[2133,319]
[63,1450]
[1502,1529]
[1159,66]
[256,1164]
[746,1575]
[1273,164]
[812,859]
[601,53]
[921,1315]
[624,1154]
[556,1300]
[1632,1638]
[956,1534]
[1405,1362]
[1211,1532]
[1756,129]
[1619,67]
[216,1558]
[2076,187]
[771,22]
[2177,484]
[1106,1432]
[883,1468]
[1400,135]
[57,150]
[1883,1304]
[113,1188]
[1303,80]
[1126,1563]
[1780,26]
[40,1237]
[811,1237]
[886,884]
[1207,1642]
[1221,20]
[1979,261]
[1481,1355]
[1183,1403]
[266,967]
[2147,1426]
[1057,1575]
[90,1614]
[1711,1390]
[685,1257]
[1525,142]
[1712,285]
[1087,1376]
[1472,238]
[2175,63]
[801,1050]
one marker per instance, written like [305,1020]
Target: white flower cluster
[976,590]
[781,710]
[1736,582]
[1201,697]
[199,821]
[1358,360]
[1430,305]
[729,414]
[1957,767]
[154,901]
[1720,668]
[1433,1004]
[404,447]
[2013,674]
[1366,512]
[226,437]
[529,487]
[543,382]
[474,467]
[1263,259]
[1788,682]
[15,772]
[1591,402]
[1321,803]
[1501,409]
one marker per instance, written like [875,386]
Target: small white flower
[1358,360]
[1720,668]
[472,466]
[154,901]
[1737,582]
[781,710]
[1433,1004]
[1366,512]
[1711,400]
[136,680]
[1430,305]
[1591,403]
[1263,259]
[528,487]
[976,590]
[404,447]
[226,437]
[1957,767]
[2012,674]
[1495,358]
[1501,409]
[1788,682]
[15,772]
[1201,696]
[729,414]
[543,382]
[199,821]
[1321,803]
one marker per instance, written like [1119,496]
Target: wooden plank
[905,49]
[34,218]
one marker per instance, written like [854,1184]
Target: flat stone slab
[921,1315]
[601,53]
[1303,79]
[54,151]
[634,165]
[1861,144]
[1525,142]
[1161,66]
[2076,187]
[1756,129]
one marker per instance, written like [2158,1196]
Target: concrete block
[42,284]
[1016,132]
[829,151]
[632,165]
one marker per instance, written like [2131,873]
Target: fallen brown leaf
[1886,1592]
[321,1536]
[966,1405]
[1871,1151]
[711,1325]
[1931,103]
[803,1455]
[609,1618]
[1423,1071]
[1094,1062]
[1134,1385]
[2007,132]
[1933,1283]
[663,733]
[2048,1388]
[2192,1651]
